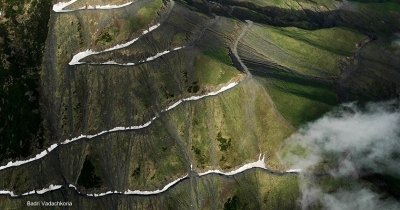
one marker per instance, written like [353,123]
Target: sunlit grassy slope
[293,5]
[214,67]
[299,99]
[298,67]
[314,53]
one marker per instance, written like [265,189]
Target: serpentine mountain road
[259,164]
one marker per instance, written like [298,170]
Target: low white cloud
[396,41]
[348,142]
[357,198]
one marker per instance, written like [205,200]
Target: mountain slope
[165,104]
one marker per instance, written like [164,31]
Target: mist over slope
[357,145]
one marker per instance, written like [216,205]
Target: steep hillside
[23,30]
[157,104]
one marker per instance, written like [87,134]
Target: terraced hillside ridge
[156,104]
